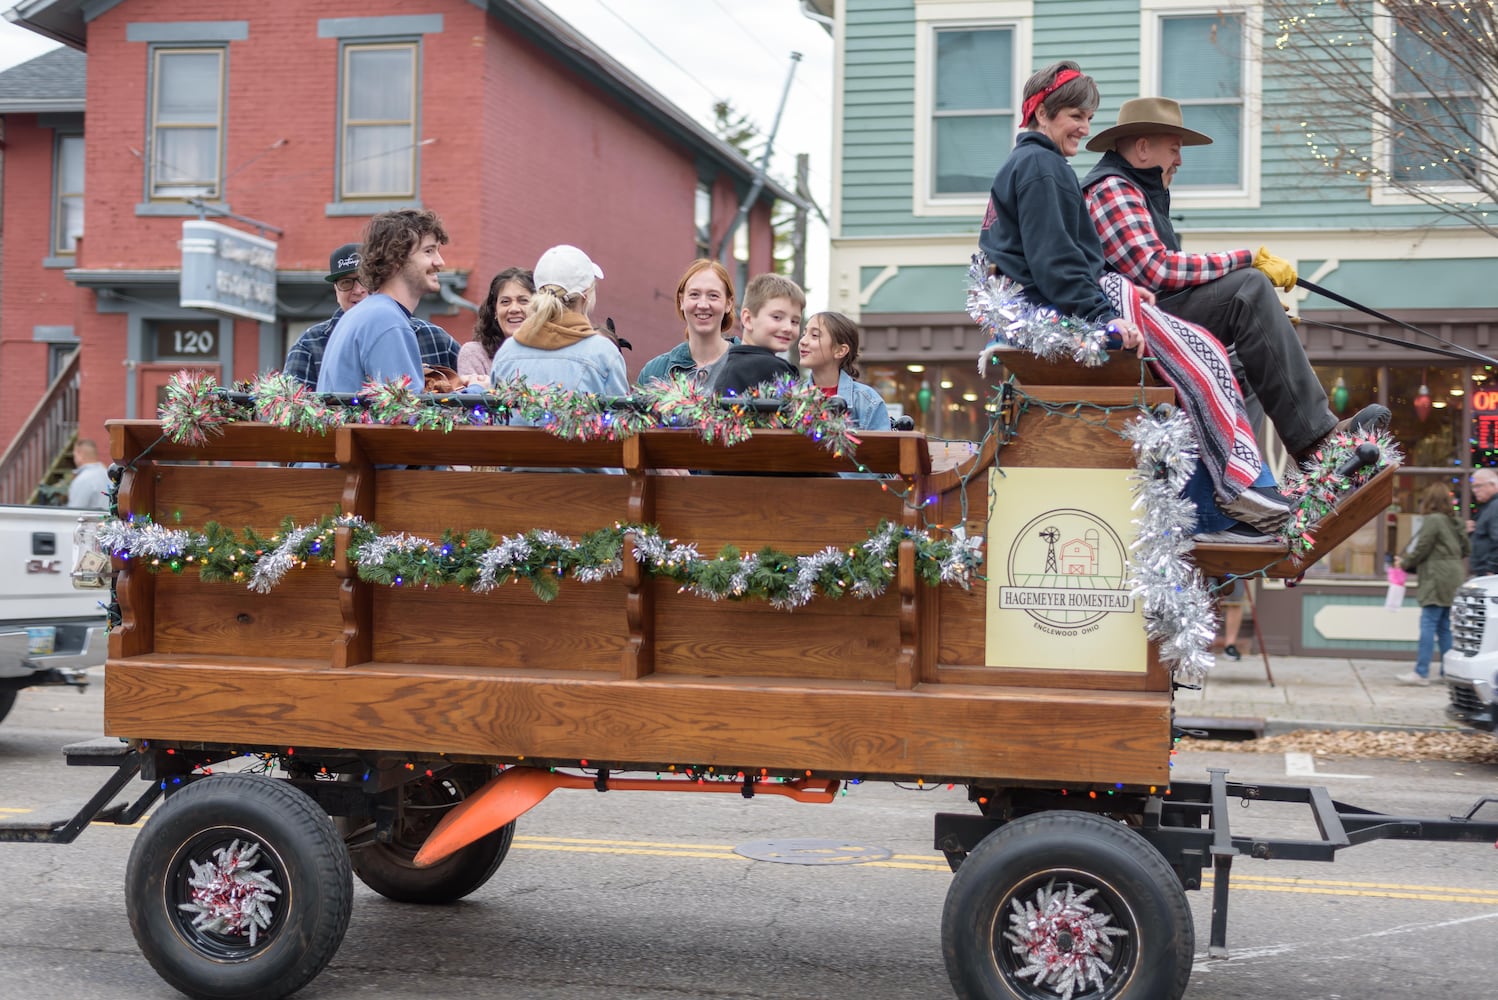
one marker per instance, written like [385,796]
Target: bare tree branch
[1402,94]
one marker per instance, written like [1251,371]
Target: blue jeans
[1209,517]
[1435,624]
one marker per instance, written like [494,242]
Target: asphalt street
[623,896]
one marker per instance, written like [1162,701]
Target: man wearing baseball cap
[304,360]
[1230,293]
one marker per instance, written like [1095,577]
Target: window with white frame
[377,128]
[1436,114]
[187,116]
[971,59]
[67,195]
[973,107]
[1202,65]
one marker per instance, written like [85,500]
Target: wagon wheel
[238,887]
[388,869]
[1066,906]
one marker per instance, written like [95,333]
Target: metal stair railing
[47,433]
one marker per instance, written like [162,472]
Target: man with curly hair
[400,263]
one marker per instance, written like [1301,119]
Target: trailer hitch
[126,761]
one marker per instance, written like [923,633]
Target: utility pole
[798,230]
[725,245]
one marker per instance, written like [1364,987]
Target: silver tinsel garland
[382,547]
[145,539]
[229,898]
[272,566]
[967,553]
[808,568]
[1179,615]
[999,307]
[1064,942]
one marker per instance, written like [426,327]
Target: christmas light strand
[197,408]
[543,558]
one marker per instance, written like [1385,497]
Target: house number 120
[192,342]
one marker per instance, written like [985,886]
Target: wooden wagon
[395,730]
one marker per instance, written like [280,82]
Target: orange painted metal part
[511,793]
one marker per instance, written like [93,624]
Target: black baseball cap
[343,262]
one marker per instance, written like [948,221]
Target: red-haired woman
[704,301]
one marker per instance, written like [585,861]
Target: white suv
[1472,665]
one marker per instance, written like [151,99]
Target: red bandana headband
[1033,101]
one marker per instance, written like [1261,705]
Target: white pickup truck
[50,633]
[1472,665]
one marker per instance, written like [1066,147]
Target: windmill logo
[1067,569]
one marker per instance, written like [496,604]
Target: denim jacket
[678,359]
[592,364]
[864,403]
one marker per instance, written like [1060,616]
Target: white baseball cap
[568,267]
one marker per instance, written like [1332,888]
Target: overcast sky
[696,52]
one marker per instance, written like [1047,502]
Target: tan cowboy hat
[1147,116]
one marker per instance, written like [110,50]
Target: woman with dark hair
[1038,233]
[1435,556]
[500,315]
[557,344]
[829,350]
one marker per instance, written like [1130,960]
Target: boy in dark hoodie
[771,320]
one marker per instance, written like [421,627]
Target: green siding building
[927,96]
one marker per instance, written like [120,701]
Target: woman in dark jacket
[1435,556]
[1038,233]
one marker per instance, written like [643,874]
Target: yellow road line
[4,809]
[919,862]
[1297,880]
[1484,899]
[522,839]
[911,862]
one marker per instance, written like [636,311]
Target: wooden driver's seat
[1108,385]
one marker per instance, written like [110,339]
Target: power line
[659,51]
[747,30]
[761,43]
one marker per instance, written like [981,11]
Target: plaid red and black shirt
[1133,248]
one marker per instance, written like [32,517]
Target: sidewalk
[1315,693]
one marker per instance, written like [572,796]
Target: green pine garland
[477,560]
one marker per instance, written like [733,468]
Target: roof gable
[53,81]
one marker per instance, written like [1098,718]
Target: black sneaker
[1262,507]
[1236,533]
[1231,652]
[1372,417]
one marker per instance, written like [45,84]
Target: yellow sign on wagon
[1058,594]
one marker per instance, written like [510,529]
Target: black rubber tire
[7,702]
[1051,851]
[388,868]
[299,849]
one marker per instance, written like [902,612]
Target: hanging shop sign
[228,271]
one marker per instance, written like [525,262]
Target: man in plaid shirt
[1231,292]
[304,360]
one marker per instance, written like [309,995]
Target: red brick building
[514,128]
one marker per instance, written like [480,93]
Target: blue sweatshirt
[373,342]
[1039,233]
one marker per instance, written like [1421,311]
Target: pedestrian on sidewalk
[1435,557]
[1230,601]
